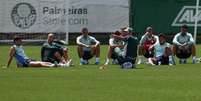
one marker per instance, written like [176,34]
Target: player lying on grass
[54,51]
[87,47]
[126,57]
[113,44]
[22,60]
[147,40]
[163,52]
[184,45]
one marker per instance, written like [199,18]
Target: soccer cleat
[114,61]
[194,61]
[139,62]
[97,63]
[180,61]
[69,63]
[87,62]
[198,60]
[81,63]
[185,61]
[61,65]
[84,62]
[150,62]
[103,67]
[170,64]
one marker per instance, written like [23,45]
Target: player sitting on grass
[54,51]
[87,47]
[184,45]
[163,52]
[147,40]
[22,60]
[113,44]
[127,56]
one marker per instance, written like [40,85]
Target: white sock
[183,60]
[81,59]
[107,61]
[140,58]
[97,59]
[52,65]
[170,59]
[150,61]
[61,65]
[69,62]
[194,57]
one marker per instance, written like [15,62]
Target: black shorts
[149,54]
[163,60]
[114,55]
[87,55]
[183,54]
[47,54]
[25,63]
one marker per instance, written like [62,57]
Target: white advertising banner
[32,16]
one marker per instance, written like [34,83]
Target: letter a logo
[187,16]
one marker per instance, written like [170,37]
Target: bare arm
[152,47]
[96,42]
[11,54]
[142,40]
[175,40]
[191,41]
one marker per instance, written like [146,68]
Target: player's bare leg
[41,64]
[141,52]
[96,52]
[193,50]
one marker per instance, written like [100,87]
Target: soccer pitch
[89,83]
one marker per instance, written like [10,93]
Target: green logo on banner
[23,15]
[187,16]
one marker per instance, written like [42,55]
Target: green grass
[88,83]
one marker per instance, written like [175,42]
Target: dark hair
[17,38]
[117,33]
[184,26]
[162,35]
[84,28]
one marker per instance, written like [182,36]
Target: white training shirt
[146,38]
[113,42]
[179,39]
[88,40]
[160,49]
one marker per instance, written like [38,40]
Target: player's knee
[98,46]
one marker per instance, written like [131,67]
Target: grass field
[88,83]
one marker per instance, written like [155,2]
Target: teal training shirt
[131,46]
